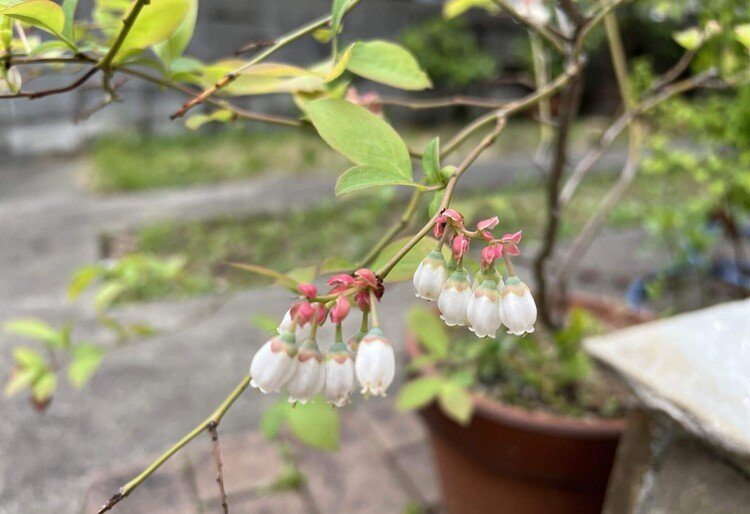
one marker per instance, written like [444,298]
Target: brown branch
[53,91]
[254,45]
[214,432]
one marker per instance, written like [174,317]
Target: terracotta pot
[509,460]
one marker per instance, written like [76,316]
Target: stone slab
[288,502]
[392,428]
[695,367]
[417,464]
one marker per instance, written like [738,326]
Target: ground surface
[149,393]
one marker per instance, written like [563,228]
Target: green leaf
[158,21]
[360,136]
[430,331]
[69,9]
[263,78]
[82,278]
[406,267]
[19,380]
[742,33]
[454,8]
[169,50]
[85,361]
[43,14]
[418,393]
[387,63]
[196,121]
[35,329]
[265,322]
[108,293]
[364,177]
[689,39]
[431,162]
[434,204]
[335,265]
[44,386]
[281,279]
[337,14]
[273,418]
[303,274]
[26,358]
[316,424]
[456,403]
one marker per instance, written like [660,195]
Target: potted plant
[528,450]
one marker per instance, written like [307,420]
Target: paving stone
[168,491]
[250,460]
[355,480]
[392,428]
[289,502]
[417,463]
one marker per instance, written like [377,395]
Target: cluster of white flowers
[293,359]
[489,301]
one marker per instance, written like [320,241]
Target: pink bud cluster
[488,301]
[293,359]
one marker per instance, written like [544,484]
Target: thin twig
[53,91]
[213,430]
[127,24]
[277,45]
[254,45]
[214,418]
[559,44]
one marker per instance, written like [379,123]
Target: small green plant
[449,52]
[539,371]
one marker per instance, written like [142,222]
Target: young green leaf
[430,331]
[456,403]
[363,177]
[431,162]
[35,329]
[169,50]
[418,393]
[43,14]
[19,380]
[689,39]
[196,121]
[69,10]
[387,63]
[85,361]
[26,358]
[82,278]
[273,418]
[265,323]
[44,386]
[742,33]
[316,424]
[360,136]
[337,14]
[158,21]
[335,265]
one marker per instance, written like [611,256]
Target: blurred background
[120,222]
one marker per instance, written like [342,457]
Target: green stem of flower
[212,421]
[374,309]
[363,325]
[339,333]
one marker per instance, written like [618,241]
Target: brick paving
[383,466]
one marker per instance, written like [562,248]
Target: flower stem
[339,333]
[363,326]
[373,310]
[509,265]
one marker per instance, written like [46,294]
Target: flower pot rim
[539,421]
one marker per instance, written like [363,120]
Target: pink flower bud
[460,246]
[368,277]
[512,238]
[363,300]
[489,254]
[308,290]
[454,215]
[340,309]
[320,313]
[303,312]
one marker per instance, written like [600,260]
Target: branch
[213,430]
[449,189]
[213,420]
[555,40]
[127,24]
[277,45]
[513,107]
[53,91]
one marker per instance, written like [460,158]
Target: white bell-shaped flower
[310,374]
[12,81]
[517,307]
[454,298]
[483,310]
[375,364]
[339,375]
[490,274]
[274,364]
[533,10]
[430,276]
[301,333]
